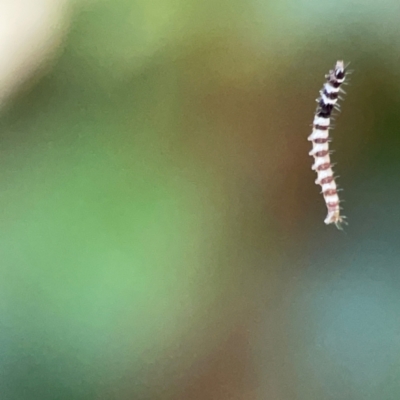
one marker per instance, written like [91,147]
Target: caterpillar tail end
[334,217]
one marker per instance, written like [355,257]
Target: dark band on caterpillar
[323,167]
[340,74]
[325,110]
[333,204]
[332,95]
[321,127]
[321,140]
[335,84]
[326,180]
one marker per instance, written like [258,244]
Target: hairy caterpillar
[320,141]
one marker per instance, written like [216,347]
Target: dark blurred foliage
[161,233]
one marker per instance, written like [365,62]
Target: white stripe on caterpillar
[320,139]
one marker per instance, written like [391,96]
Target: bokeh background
[161,235]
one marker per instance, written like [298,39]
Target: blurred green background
[161,233]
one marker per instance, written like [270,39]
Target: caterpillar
[320,139]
